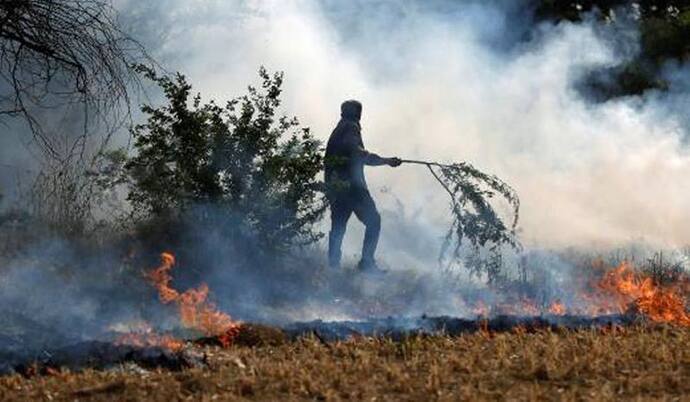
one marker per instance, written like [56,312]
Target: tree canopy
[257,167]
[664,37]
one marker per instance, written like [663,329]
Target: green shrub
[258,169]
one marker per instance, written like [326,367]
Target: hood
[351,110]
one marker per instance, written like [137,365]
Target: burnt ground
[607,363]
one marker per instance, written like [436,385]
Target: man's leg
[366,212]
[340,213]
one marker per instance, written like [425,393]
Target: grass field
[635,363]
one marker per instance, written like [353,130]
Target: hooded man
[347,188]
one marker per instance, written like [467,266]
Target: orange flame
[161,278]
[632,289]
[195,310]
[150,339]
[480,309]
[616,291]
[557,308]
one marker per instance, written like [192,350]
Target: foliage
[257,168]
[474,217]
[664,36]
[663,271]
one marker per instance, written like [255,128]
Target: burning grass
[637,362]
[195,312]
[602,291]
[622,335]
[621,290]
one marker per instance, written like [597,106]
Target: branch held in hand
[474,217]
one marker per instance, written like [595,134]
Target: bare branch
[62,53]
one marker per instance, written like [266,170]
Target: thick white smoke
[440,80]
[434,86]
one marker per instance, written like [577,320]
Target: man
[347,188]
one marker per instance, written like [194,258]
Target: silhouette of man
[347,188]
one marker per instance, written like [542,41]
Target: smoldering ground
[444,81]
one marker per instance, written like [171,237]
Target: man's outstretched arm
[372,159]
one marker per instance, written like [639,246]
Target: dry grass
[638,363]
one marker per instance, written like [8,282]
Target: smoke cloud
[439,80]
[455,81]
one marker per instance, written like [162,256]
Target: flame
[150,339]
[142,335]
[480,309]
[521,306]
[529,307]
[195,311]
[614,291]
[557,308]
[160,277]
[631,289]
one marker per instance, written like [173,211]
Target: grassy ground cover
[635,363]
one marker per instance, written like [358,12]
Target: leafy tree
[664,36]
[242,159]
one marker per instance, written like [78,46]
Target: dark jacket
[346,156]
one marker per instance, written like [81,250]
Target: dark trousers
[343,205]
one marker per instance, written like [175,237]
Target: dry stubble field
[635,363]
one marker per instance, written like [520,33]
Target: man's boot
[370,266]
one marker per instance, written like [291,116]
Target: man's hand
[394,162]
